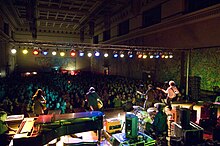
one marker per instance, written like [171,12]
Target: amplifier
[113,125]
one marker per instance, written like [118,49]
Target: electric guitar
[100,103]
[172,95]
[139,92]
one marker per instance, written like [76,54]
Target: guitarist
[171,92]
[150,96]
[93,99]
[39,102]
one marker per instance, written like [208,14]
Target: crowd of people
[35,95]
[68,93]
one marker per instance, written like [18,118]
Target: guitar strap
[173,92]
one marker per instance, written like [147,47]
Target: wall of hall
[196,35]
[204,63]
[3,56]
[129,67]
[8,61]
[41,63]
[177,29]
[156,70]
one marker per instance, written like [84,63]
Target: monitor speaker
[131,125]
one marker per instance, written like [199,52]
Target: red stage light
[73,53]
[35,51]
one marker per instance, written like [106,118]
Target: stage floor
[91,136]
[120,114]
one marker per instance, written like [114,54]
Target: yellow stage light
[144,56]
[25,51]
[62,53]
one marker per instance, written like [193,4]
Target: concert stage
[91,137]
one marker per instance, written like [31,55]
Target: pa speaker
[131,125]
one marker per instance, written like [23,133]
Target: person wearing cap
[171,92]
[92,99]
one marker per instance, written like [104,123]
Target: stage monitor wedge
[131,125]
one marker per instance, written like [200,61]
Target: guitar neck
[139,92]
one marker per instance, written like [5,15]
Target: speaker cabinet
[193,116]
[131,125]
[185,118]
[213,115]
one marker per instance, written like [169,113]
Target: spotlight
[35,52]
[62,53]
[13,51]
[122,55]
[151,56]
[25,51]
[130,54]
[105,55]
[156,55]
[170,55]
[97,53]
[44,52]
[54,53]
[115,54]
[89,54]
[73,53]
[27,73]
[139,55]
[144,56]
[81,53]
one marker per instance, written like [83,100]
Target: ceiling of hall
[68,15]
